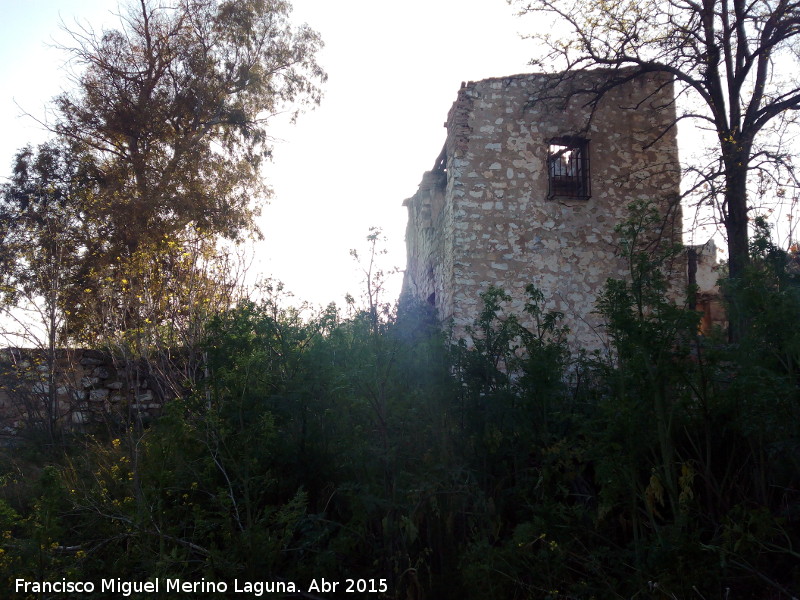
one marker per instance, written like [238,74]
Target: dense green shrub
[365,445]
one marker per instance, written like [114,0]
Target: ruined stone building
[529,187]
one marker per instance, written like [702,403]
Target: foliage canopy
[157,153]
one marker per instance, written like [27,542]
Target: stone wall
[704,274]
[485,214]
[85,390]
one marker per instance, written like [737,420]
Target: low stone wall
[82,390]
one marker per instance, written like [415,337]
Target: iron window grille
[568,168]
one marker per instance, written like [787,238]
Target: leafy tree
[57,290]
[46,231]
[47,240]
[174,107]
[736,59]
[167,124]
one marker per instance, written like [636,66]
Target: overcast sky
[394,71]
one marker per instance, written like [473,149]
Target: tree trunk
[738,246]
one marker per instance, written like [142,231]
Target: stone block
[100,373]
[146,397]
[88,382]
[99,395]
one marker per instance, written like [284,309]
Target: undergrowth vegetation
[369,445]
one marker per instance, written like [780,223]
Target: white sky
[394,70]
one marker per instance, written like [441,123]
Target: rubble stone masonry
[491,211]
[83,390]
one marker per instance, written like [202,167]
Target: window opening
[568,168]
